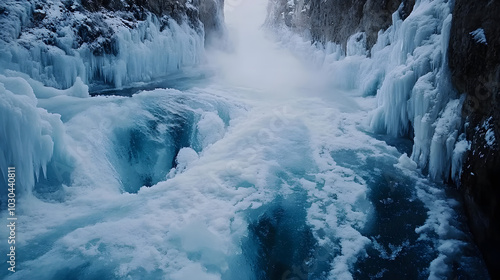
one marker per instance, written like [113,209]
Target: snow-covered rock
[113,43]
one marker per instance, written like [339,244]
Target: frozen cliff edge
[404,64]
[110,43]
[405,60]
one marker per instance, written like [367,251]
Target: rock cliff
[209,12]
[474,58]
[336,21]
[474,62]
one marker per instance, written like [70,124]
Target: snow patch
[479,36]
[461,147]
[490,137]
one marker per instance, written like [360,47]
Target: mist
[253,57]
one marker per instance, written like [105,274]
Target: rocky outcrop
[209,12]
[336,20]
[212,16]
[474,58]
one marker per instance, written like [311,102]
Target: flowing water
[262,169]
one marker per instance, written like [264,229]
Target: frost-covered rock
[336,21]
[111,43]
[406,69]
[475,69]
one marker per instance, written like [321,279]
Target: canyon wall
[473,59]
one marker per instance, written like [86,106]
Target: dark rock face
[212,16]
[210,12]
[131,11]
[475,68]
[157,7]
[337,20]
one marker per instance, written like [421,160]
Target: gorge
[280,139]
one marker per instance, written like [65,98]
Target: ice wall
[29,134]
[407,72]
[416,97]
[55,43]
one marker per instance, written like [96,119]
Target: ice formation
[269,173]
[407,71]
[479,36]
[125,50]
